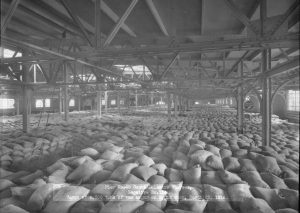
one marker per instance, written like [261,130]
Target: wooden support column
[98,101]
[240,104]
[79,103]
[98,23]
[66,98]
[169,106]
[17,105]
[266,99]
[151,99]
[128,99]
[106,100]
[118,102]
[26,100]
[180,104]
[136,99]
[59,101]
[175,105]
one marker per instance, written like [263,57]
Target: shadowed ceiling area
[198,48]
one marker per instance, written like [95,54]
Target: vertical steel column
[26,104]
[66,98]
[240,103]
[266,100]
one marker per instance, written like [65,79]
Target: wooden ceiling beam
[157,17]
[287,41]
[9,14]
[113,16]
[241,16]
[120,22]
[169,65]
[77,21]
[63,56]
[285,18]
[235,66]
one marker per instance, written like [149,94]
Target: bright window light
[47,102]
[160,103]
[103,102]
[197,102]
[7,53]
[293,100]
[113,102]
[39,103]
[6,103]
[72,103]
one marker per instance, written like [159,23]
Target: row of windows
[292,104]
[224,101]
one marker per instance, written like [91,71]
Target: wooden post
[136,99]
[266,99]
[240,104]
[175,105]
[34,73]
[169,106]
[79,103]
[106,100]
[17,105]
[180,104]
[266,81]
[98,23]
[66,98]
[151,99]
[128,100]
[26,104]
[59,101]
[118,102]
[98,102]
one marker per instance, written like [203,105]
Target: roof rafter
[9,14]
[157,17]
[241,16]
[120,22]
[77,21]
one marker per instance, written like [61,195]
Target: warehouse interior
[149,106]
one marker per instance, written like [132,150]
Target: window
[6,103]
[47,102]
[103,102]
[39,103]
[293,100]
[113,102]
[122,102]
[72,103]
[196,102]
